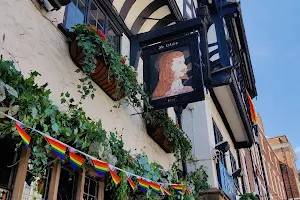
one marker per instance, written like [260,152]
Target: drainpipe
[281,166]
[283,154]
[239,161]
[262,163]
[178,111]
[254,172]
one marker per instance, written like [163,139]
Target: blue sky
[273,33]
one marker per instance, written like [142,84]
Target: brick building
[271,165]
[287,159]
[263,175]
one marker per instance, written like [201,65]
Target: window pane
[93,185]
[85,197]
[74,13]
[67,184]
[113,38]
[86,185]
[96,17]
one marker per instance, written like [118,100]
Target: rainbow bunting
[167,192]
[177,187]
[114,176]
[100,167]
[133,186]
[155,187]
[143,185]
[25,137]
[58,148]
[181,193]
[188,190]
[75,160]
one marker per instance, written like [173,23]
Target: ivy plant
[95,45]
[23,99]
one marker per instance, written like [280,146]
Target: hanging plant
[180,143]
[98,61]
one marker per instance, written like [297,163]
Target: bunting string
[100,167]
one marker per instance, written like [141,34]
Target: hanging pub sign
[173,72]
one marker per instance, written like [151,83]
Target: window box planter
[100,76]
[157,135]
[57,4]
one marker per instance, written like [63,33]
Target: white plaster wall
[198,124]
[180,5]
[32,39]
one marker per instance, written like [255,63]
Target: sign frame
[191,41]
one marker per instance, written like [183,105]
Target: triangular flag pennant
[114,175]
[100,167]
[181,193]
[188,190]
[177,187]
[133,186]
[75,160]
[167,192]
[58,148]
[143,185]
[25,137]
[155,187]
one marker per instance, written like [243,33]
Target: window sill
[64,30]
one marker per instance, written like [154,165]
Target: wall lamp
[222,146]
[237,173]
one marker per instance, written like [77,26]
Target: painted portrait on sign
[172,69]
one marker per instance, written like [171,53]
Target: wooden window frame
[107,20]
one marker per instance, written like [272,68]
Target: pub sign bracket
[176,61]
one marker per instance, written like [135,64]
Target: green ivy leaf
[34,112]
[55,127]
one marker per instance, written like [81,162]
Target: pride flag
[177,187]
[133,186]
[181,193]
[188,190]
[252,110]
[58,148]
[143,185]
[155,187]
[100,167]
[25,137]
[75,160]
[114,175]
[167,192]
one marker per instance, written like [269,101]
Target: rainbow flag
[58,148]
[114,175]
[100,167]
[181,193]
[177,187]
[155,187]
[25,137]
[167,192]
[143,185]
[133,186]
[188,190]
[252,110]
[75,160]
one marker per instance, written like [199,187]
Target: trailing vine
[95,45]
[248,196]
[23,99]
